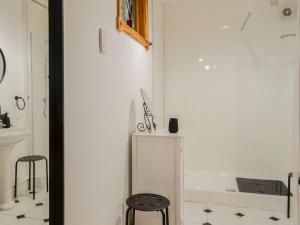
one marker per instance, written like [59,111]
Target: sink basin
[8,139]
[12,136]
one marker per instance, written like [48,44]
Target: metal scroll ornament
[148,124]
[148,121]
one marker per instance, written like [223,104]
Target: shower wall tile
[232,91]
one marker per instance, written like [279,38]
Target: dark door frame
[56,110]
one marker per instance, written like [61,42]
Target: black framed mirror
[56,112]
[2,66]
[32,177]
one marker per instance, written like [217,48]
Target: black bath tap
[4,121]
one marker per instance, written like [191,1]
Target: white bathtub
[222,189]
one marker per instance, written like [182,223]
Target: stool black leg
[47,175]
[16,178]
[133,217]
[167,216]
[163,217]
[33,181]
[29,180]
[127,215]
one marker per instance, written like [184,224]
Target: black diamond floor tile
[208,211]
[21,217]
[274,218]
[240,214]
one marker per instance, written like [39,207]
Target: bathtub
[222,189]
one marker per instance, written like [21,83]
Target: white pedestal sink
[8,139]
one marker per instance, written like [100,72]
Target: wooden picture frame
[136,23]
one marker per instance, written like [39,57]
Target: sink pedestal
[8,139]
[6,196]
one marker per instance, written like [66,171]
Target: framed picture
[133,19]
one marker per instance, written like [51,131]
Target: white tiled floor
[222,215]
[194,214]
[34,215]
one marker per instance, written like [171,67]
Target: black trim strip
[56,112]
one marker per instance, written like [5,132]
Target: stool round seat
[32,158]
[148,202]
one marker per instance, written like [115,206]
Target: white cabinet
[157,167]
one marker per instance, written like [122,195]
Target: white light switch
[102,40]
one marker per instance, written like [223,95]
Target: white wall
[159,66]
[238,113]
[102,108]
[13,33]
[11,42]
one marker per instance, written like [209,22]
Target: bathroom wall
[102,108]
[12,36]
[232,90]
[158,65]
[11,42]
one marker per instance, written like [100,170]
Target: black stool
[148,203]
[30,159]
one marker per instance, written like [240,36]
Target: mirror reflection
[24,112]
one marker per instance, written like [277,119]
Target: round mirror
[2,66]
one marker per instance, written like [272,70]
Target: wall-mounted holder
[21,106]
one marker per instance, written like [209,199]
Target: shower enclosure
[230,74]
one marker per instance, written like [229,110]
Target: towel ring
[22,107]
